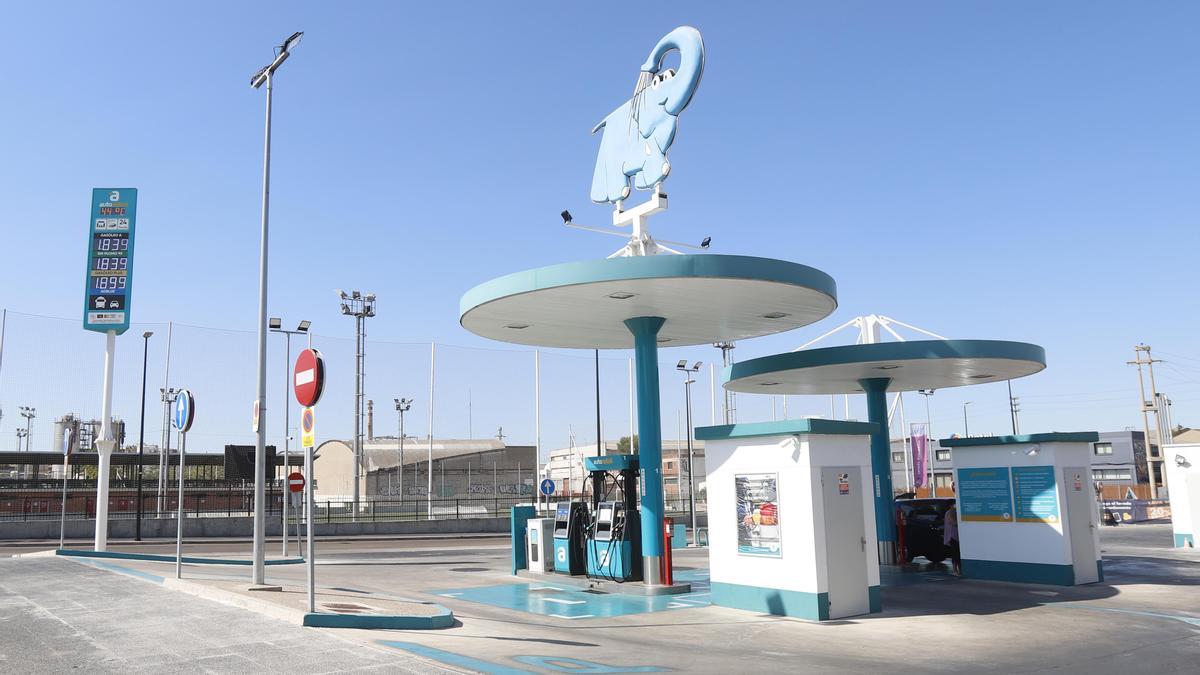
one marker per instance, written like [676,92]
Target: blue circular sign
[547,487]
[184,411]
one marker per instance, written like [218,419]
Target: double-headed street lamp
[361,306]
[275,325]
[682,366]
[402,406]
[137,535]
[265,75]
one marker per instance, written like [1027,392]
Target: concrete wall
[243,527]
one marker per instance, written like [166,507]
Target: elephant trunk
[691,65]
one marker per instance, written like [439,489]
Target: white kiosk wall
[1027,508]
[1183,484]
[791,521]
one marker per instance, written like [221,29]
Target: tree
[623,445]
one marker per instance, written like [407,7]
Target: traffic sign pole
[179,516]
[308,382]
[310,557]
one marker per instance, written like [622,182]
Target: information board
[109,283]
[758,514]
[984,495]
[1035,494]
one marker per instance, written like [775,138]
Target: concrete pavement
[1144,618]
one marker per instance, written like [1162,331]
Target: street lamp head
[274,323]
[303,327]
[355,295]
[706,242]
[345,308]
[682,365]
[341,293]
[566,216]
[293,40]
[369,297]
[697,365]
[147,334]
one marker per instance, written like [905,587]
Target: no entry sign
[295,481]
[308,377]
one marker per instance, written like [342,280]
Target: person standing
[950,537]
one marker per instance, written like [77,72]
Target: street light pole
[264,76]
[402,406]
[137,535]
[275,324]
[966,429]
[929,442]
[687,394]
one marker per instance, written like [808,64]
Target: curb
[159,558]
[443,619]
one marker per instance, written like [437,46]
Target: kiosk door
[1080,507]
[845,541]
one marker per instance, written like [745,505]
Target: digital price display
[110,260]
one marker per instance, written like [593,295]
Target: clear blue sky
[984,170]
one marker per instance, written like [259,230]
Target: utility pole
[1147,406]
[360,306]
[1014,407]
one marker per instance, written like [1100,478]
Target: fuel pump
[571,524]
[614,540]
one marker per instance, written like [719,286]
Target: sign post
[106,310]
[185,412]
[308,382]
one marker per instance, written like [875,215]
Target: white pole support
[106,446]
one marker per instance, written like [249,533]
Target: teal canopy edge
[649,267]
[784,428]
[886,351]
[1050,437]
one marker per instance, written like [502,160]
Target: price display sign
[110,260]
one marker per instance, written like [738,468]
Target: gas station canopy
[918,364]
[704,298]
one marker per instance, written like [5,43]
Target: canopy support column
[881,467]
[645,345]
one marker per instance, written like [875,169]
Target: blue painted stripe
[1136,612]
[1020,572]
[875,595]
[1184,541]
[812,606]
[145,576]
[169,558]
[453,659]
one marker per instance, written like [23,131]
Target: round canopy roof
[920,364]
[704,298]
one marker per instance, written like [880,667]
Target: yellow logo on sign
[307,429]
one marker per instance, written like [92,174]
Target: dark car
[924,520]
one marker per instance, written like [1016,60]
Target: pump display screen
[110,259]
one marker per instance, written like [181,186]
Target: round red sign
[295,481]
[308,377]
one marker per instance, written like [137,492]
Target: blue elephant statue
[638,134]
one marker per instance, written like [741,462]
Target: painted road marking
[545,588]
[565,602]
[452,659]
[581,616]
[450,595]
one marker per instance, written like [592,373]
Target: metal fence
[212,499]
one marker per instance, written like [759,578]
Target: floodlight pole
[264,76]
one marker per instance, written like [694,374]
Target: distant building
[462,469]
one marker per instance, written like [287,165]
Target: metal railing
[215,500]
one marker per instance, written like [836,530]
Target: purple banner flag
[920,455]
